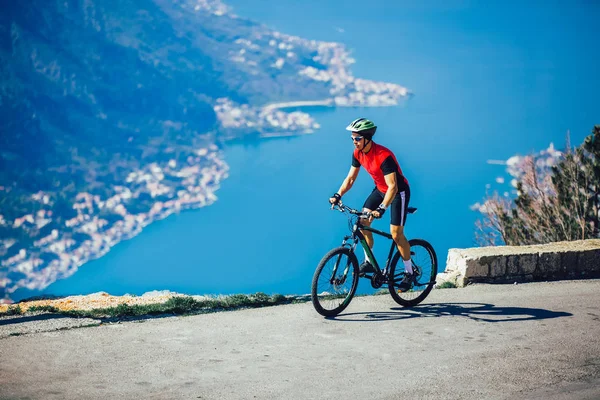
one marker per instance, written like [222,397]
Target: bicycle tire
[424,251]
[324,301]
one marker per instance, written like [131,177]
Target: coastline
[38,277]
[298,104]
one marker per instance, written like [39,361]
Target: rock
[522,263]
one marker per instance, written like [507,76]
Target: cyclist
[391,191]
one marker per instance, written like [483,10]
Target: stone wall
[508,264]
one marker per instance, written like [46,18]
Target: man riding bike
[391,191]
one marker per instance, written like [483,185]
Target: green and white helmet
[364,126]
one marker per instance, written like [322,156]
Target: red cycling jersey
[380,161]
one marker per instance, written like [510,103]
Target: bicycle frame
[331,298]
[357,234]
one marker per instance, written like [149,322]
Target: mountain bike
[336,278]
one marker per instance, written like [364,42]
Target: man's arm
[389,167]
[390,180]
[349,181]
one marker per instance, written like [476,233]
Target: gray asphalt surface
[527,341]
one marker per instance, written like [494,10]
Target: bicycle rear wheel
[334,282]
[424,262]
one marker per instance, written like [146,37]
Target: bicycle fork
[333,280]
[341,281]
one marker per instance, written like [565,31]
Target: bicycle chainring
[377,280]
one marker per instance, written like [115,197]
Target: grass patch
[13,310]
[17,310]
[178,305]
[49,309]
[447,285]
[182,305]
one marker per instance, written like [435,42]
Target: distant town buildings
[58,254]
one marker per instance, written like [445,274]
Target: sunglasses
[356,138]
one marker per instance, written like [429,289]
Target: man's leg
[398,219]
[401,241]
[371,203]
[404,249]
[367,234]
[365,266]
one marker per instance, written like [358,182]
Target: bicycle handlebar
[344,208]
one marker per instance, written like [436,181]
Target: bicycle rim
[424,262]
[334,282]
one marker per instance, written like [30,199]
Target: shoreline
[113,241]
[299,104]
[101,242]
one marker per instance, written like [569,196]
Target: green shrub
[14,310]
[181,305]
[447,285]
[49,309]
[279,299]
[175,305]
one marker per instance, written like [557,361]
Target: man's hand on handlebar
[378,213]
[336,199]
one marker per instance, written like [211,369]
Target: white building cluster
[242,116]
[64,254]
[215,7]
[283,50]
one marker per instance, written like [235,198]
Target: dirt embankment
[95,301]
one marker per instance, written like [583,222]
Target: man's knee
[398,233]
[399,238]
[365,221]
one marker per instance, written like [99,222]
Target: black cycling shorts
[397,209]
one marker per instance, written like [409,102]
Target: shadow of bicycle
[481,312]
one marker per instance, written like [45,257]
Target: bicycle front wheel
[334,282]
[424,261]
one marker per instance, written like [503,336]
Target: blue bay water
[490,81]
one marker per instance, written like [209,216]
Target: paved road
[529,341]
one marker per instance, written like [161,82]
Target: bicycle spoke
[334,282]
[424,269]
[333,289]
